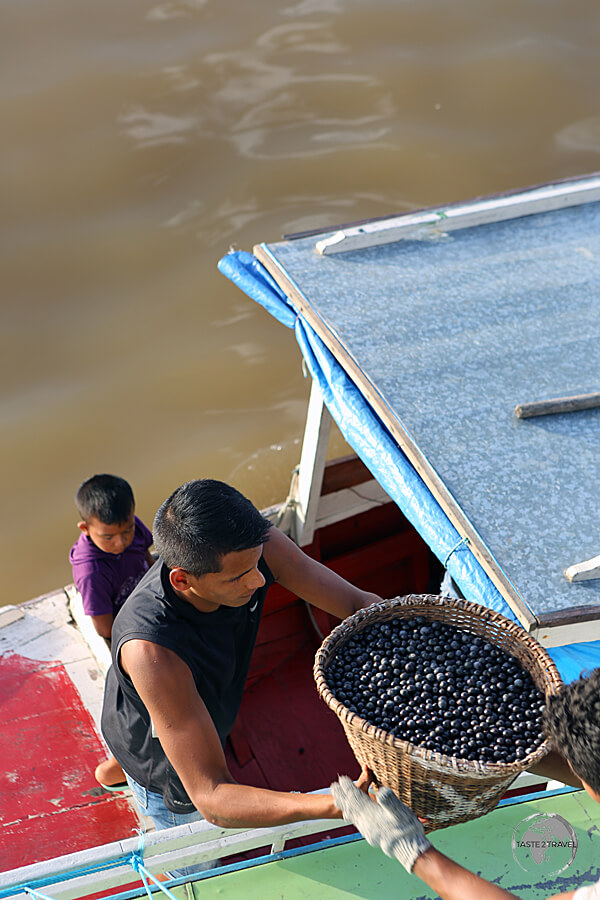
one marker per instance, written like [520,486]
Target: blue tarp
[372,442]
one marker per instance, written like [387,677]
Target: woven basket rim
[347,628]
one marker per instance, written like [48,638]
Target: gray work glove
[388,824]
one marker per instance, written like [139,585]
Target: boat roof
[445,321]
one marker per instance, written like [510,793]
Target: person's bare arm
[453,882]
[190,741]
[103,624]
[311,580]
[390,825]
[555,767]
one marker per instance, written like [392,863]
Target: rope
[456,547]
[137,864]
[33,893]
[290,500]
[135,860]
[75,873]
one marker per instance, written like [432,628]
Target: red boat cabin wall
[285,737]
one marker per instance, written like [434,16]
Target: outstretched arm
[311,580]
[390,825]
[190,741]
[453,882]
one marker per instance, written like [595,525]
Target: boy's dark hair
[572,722]
[105,497]
[202,521]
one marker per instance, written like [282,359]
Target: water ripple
[581,135]
[150,129]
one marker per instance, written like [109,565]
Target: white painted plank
[424,224]
[96,644]
[10,614]
[350,502]
[312,467]
[584,571]
[573,633]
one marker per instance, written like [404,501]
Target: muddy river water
[140,140]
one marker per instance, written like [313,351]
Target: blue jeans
[151,804]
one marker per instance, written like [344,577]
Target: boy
[112,553]
[108,560]
[571,721]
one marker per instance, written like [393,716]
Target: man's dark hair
[202,521]
[572,722]
[105,497]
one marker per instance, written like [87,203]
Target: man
[181,647]
[571,721]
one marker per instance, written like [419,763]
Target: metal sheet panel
[445,335]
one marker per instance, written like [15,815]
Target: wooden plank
[10,614]
[478,212]
[574,615]
[557,405]
[584,571]
[349,503]
[312,466]
[580,627]
[344,472]
[163,851]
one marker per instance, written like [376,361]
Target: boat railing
[112,866]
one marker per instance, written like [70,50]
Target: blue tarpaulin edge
[373,443]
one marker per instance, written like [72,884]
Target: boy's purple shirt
[105,580]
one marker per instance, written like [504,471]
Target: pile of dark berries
[440,688]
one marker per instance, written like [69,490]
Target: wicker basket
[442,789]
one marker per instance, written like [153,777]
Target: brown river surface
[141,139]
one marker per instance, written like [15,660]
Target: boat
[423,335]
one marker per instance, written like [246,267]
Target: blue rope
[135,860]
[36,894]
[137,864]
[76,873]
[456,547]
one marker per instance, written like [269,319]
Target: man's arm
[190,741]
[311,580]
[555,767]
[453,882]
[389,824]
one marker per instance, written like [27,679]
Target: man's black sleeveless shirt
[217,648]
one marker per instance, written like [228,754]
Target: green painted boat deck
[340,871]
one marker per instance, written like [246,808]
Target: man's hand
[388,823]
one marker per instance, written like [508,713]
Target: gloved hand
[388,824]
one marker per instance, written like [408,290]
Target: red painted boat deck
[50,802]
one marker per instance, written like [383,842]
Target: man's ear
[83,527]
[179,578]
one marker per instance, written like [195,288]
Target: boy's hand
[388,823]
